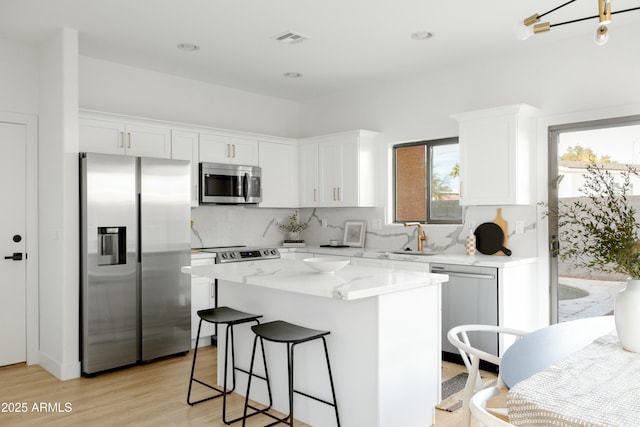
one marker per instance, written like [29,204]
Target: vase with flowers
[600,232]
[293,227]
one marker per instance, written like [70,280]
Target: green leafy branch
[601,233]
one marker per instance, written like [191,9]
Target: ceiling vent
[290,37]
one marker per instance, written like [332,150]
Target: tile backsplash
[240,225]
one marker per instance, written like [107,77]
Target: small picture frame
[354,232]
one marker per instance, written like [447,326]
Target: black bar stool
[284,332]
[229,317]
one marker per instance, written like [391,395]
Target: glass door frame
[554,179]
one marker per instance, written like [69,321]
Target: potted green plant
[293,227]
[601,232]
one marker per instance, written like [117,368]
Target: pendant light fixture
[532,25]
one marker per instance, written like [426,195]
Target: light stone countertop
[350,283]
[479,260]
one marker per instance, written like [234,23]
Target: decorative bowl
[326,264]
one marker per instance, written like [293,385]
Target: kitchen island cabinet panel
[384,343]
[384,353]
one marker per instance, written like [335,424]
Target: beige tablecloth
[598,385]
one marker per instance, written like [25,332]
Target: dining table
[573,373]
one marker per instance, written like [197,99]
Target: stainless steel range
[241,253]
[226,254]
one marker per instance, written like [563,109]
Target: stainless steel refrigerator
[135,237]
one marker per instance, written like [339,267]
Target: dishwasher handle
[466,275]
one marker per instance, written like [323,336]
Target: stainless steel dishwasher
[470,297]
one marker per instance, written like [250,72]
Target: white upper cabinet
[228,149]
[495,158]
[343,172]
[125,138]
[279,163]
[308,183]
[184,146]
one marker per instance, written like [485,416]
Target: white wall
[18,78]
[116,88]
[570,75]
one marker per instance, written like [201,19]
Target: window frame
[428,144]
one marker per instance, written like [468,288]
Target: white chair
[478,407]
[471,356]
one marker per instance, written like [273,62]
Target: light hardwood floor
[150,394]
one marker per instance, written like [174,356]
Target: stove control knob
[273,252]
[232,254]
[223,255]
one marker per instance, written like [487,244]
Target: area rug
[452,392]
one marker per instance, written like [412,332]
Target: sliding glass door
[613,144]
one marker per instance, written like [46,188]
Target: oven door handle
[245,187]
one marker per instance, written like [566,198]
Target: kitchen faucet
[422,237]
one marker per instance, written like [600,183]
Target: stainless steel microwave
[222,183]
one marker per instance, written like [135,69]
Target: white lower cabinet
[201,291]
[202,298]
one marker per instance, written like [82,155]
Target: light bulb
[523,31]
[602,35]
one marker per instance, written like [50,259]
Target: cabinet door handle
[195,192]
[129,139]
[315,194]
[228,151]
[334,193]
[121,139]
[338,193]
[234,151]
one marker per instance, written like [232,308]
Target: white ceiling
[352,42]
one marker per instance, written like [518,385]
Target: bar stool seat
[280,331]
[229,317]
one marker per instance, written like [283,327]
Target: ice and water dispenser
[112,245]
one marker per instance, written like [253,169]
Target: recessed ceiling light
[292,75]
[188,47]
[421,35]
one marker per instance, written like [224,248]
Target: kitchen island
[384,343]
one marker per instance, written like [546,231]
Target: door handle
[17,256]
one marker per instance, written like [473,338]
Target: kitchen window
[426,182]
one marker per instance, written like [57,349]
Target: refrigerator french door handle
[139,225]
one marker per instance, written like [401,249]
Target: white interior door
[12,243]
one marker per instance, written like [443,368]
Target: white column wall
[58,205]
